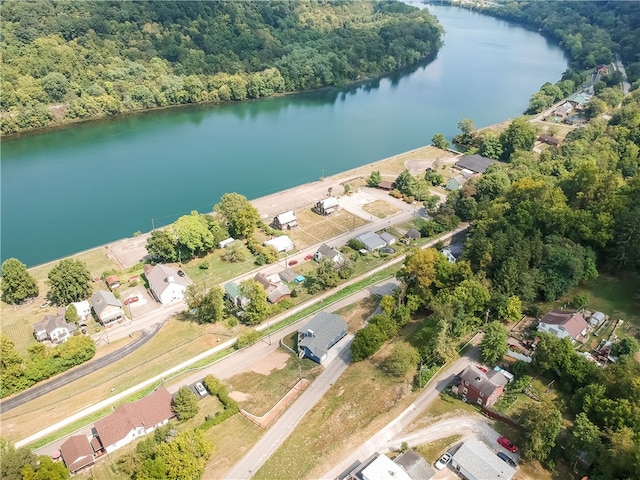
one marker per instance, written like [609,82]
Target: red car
[131,300]
[293,262]
[506,443]
[308,257]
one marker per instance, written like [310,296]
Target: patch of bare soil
[274,361]
[239,396]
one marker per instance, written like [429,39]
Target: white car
[200,389]
[442,461]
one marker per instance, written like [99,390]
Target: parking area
[145,303]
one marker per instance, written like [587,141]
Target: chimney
[169,279]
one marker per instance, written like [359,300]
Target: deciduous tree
[494,343]
[162,246]
[69,281]
[402,359]
[439,141]
[258,308]
[17,284]
[540,436]
[240,216]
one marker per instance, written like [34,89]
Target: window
[479,400]
[466,383]
[465,390]
[482,394]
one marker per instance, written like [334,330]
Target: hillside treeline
[66,60]
[590,32]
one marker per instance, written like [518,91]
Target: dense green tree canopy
[185,403]
[69,281]
[494,343]
[17,284]
[241,217]
[101,58]
[258,309]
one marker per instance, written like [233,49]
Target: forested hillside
[66,60]
[590,32]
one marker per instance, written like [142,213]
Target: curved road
[78,372]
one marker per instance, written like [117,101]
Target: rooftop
[482,462]
[475,163]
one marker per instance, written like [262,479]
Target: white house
[132,420]
[285,221]
[325,251]
[327,206]
[54,328]
[564,323]
[282,243]
[167,284]
[83,309]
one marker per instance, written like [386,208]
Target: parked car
[131,300]
[507,458]
[308,257]
[180,273]
[506,443]
[442,461]
[200,389]
[293,262]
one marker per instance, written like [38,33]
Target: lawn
[433,450]
[264,391]
[380,208]
[17,321]
[176,341]
[614,296]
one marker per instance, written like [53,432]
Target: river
[75,188]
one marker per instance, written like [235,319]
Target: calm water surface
[73,189]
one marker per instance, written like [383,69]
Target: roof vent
[478,379]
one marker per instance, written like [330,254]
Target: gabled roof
[572,321]
[549,139]
[413,233]
[329,252]
[387,237]
[383,468]
[329,202]
[416,466]
[371,240]
[475,163]
[286,217]
[103,299]
[76,452]
[147,412]
[386,185]
[278,293]
[51,322]
[481,462]
[162,276]
[82,307]
[112,280]
[325,327]
[282,243]
[288,275]
[484,382]
[231,289]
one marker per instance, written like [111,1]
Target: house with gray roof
[107,307]
[388,238]
[474,163]
[415,465]
[372,241]
[326,206]
[281,292]
[168,284]
[325,251]
[54,328]
[319,335]
[285,221]
[475,461]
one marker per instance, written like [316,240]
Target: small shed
[281,292]
[597,319]
[455,183]
[226,242]
[413,234]
[319,335]
[386,185]
[282,243]
[77,453]
[113,281]
[288,275]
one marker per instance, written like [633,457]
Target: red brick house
[480,386]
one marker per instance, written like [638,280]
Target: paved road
[278,433]
[380,441]
[626,86]
[78,372]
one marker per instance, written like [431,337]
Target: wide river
[72,189]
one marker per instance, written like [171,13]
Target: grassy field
[380,208]
[432,451]
[361,402]
[264,391]
[175,342]
[17,321]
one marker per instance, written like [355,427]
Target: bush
[247,338]
[204,265]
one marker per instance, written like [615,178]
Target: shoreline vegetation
[92,60]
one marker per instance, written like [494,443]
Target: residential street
[283,427]
[380,441]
